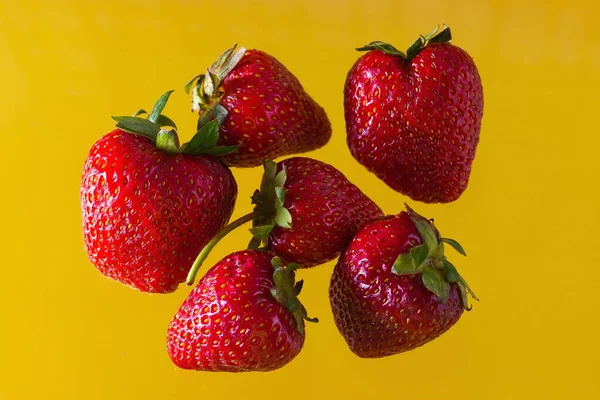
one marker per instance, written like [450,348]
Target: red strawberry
[393,289]
[414,119]
[149,205]
[326,211]
[244,315]
[263,106]
[306,212]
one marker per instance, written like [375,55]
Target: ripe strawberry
[149,205]
[414,119]
[326,211]
[306,212]
[393,289]
[244,315]
[263,107]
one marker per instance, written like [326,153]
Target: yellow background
[529,219]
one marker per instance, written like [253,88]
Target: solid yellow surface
[528,220]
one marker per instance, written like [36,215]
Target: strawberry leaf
[280,193]
[419,254]
[441,36]
[383,47]
[280,178]
[286,291]
[140,112]
[464,283]
[139,126]
[220,62]
[163,120]
[219,113]
[270,171]
[227,62]
[298,287]
[159,106]
[404,265]
[455,245]
[190,83]
[464,298]
[435,282]
[254,243]
[283,218]
[209,83]
[221,150]
[450,271]
[425,230]
[205,139]
[262,232]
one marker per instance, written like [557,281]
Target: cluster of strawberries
[154,208]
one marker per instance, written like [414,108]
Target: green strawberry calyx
[440,34]
[429,260]
[286,291]
[269,212]
[205,88]
[163,131]
[269,205]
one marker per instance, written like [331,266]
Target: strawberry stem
[213,242]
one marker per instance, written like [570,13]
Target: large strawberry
[150,205]
[263,106]
[244,315]
[393,288]
[414,119]
[306,212]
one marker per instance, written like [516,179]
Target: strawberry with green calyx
[268,212]
[262,105]
[204,140]
[306,212]
[149,205]
[393,289]
[414,118]
[244,315]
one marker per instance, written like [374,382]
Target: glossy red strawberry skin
[377,312]
[416,124]
[147,213]
[326,210]
[230,322]
[269,113]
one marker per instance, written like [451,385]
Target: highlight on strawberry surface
[413,119]
[306,212]
[393,289]
[266,111]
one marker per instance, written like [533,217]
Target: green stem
[213,242]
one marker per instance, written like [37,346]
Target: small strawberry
[263,105]
[306,212]
[244,315]
[393,289]
[149,205]
[414,119]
